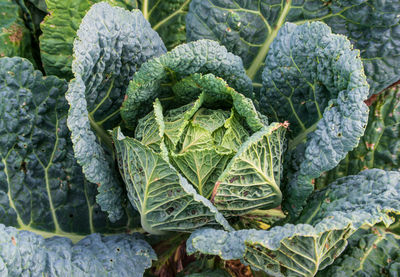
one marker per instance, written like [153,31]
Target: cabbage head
[201,152]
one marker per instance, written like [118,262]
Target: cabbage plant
[264,134]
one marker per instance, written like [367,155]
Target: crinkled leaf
[251,179]
[60,29]
[314,80]
[164,199]
[162,77]
[24,253]
[380,145]
[111,43]
[201,167]
[176,121]
[372,252]
[247,28]
[167,18]
[235,134]
[15,38]
[210,120]
[331,216]
[42,188]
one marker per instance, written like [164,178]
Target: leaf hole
[170,210]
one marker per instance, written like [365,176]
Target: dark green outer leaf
[202,56]
[111,43]
[314,80]
[59,31]
[167,18]
[40,4]
[15,38]
[380,145]
[320,235]
[42,188]
[372,252]
[25,253]
[247,28]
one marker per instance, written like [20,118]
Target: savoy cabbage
[144,137]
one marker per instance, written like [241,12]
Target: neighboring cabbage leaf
[164,199]
[61,25]
[247,28]
[167,18]
[251,179]
[42,188]
[380,145]
[15,38]
[321,233]
[157,77]
[24,253]
[372,252]
[59,31]
[111,44]
[314,80]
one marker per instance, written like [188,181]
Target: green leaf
[42,188]
[165,76]
[164,199]
[167,18]
[176,121]
[251,179]
[25,253]
[210,120]
[235,134]
[320,235]
[111,43]
[60,29]
[39,4]
[15,38]
[372,252]
[380,145]
[148,132]
[314,79]
[247,28]
[201,167]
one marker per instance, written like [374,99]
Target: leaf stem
[100,133]
[262,53]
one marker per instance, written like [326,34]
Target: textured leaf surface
[15,38]
[251,179]
[247,28]
[167,18]
[380,145]
[25,253]
[314,80]
[40,4]
[111,43]
[164,199]
[60,29]
[42,188]
[320,235]
[370,253]
[159,76]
